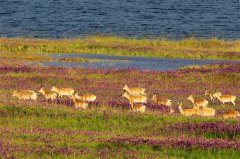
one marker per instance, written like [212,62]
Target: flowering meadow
[108,128]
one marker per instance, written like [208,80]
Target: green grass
[119,122]
[160,48]
[125,123]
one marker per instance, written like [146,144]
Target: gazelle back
[207,112]
[135,90]
[25,94]
[79,103]
[48,95]
[212,94]
[226,98]
[167,102]
[231,114]
[86,97]
[198,102]
[188,112]
[135,98]
[138,107]
[63,91]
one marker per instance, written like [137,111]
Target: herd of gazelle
[79,101]
[137,98]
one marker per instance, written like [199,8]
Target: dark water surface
[124,62]
[135,18]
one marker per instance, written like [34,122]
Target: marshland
[119,79]
[109,127]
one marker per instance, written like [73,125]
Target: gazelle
[226,98]
[198,102]
[212,94]
[167,102]
[135,90]
[86,97]
[135,98]
[206,112]
[63,91]
[48,95]
[79,103]
[138,107]
[188,112]
[25,94]
[231,114]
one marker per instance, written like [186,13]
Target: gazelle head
[218,94]
[78,97]
[169,102]
[125,87]
[190,98]
[41,91]
[206,92]
[15,93]
[54,89]
[154,97]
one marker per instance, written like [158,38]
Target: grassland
[108,129]
[160,48]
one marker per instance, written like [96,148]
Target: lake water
[123,62]
[135,18]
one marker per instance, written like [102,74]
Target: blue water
[135,18]
[124,62]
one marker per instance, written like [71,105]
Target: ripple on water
[141,18]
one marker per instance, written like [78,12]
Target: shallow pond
[122,62]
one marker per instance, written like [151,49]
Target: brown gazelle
[25,94]
[135,90]
[207,112]
[198,102]
[135,98]
[138,107]
[63,91]
[167,102]
[212,94]
[48,95]
[79,103]
[86,97]
[226,98]
[231,114]
[188,112]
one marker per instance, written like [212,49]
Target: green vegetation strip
[160,48]
[57,133]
